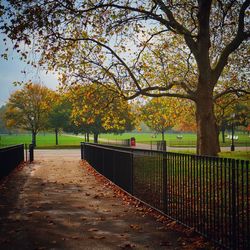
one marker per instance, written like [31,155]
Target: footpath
[58,202]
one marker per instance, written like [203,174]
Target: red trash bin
[132,141]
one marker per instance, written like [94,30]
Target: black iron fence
[10,158]
[209,194]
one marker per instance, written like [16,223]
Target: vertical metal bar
[26,153]
[216,199]
[183,187]
[226,228]
[248,207]
[210,193]
[242,199]
[188,189]
[170,167]
[230,201]
[178,185]
[206,193]
[181,184]
[194,191]
[175,187]
[31,149]
[164,177]
[233,206]
[237,204]
[132,172]
[82,148]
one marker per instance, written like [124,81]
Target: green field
[47,140]
[43,140]
[188,139]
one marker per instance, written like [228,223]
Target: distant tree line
[93,109]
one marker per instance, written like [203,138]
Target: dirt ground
[57,203]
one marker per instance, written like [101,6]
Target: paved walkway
[57,203]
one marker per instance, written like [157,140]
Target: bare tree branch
[231,90]
[233,45]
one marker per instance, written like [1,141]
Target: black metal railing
[10,158]
[209,194]
[116,165]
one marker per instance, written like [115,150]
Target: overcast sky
[10,71]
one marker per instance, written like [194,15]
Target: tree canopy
[97,110]
[161,114]
[188,49]
[28,108]
[59,115]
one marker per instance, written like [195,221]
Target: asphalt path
[58,203]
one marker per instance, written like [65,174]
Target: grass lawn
[242,155]
[188,139]
[47,140]
[43,140]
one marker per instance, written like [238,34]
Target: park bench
[179,137]
[235,137]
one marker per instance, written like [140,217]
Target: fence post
[234,238]
[164,146]
[26,153]
[82,151]
[132,172]
[164,183]
[31,150]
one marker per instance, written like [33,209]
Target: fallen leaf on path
[106,210]
[126,245]
[83,218]
[135,226]
[93,230]
[97,237]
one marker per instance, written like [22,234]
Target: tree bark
[87,137]
[95,137]
[33,138]
[207,129]
[56,132]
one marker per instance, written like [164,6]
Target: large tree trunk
[33,138]
[56,132]
[162,136]
[207,129]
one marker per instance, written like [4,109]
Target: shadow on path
[56,204]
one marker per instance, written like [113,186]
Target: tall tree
[28,108]
[190,44]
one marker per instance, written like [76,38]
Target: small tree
[228,106]
[159,114]
[98,110]
[59,116]
[28,108]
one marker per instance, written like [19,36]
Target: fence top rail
[192,156]
[102,146]
[7,148]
